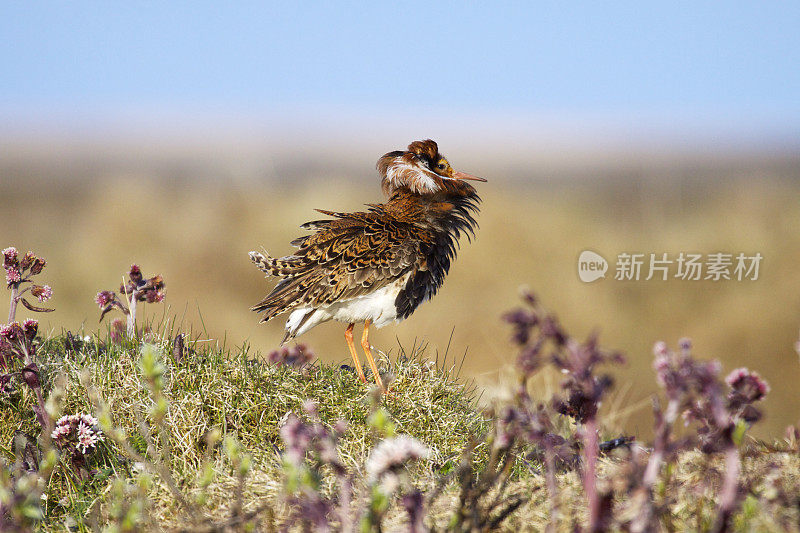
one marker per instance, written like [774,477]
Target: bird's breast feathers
[377,306]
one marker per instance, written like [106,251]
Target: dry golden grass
[197,236]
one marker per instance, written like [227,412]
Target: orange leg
[368,353]
[348,336]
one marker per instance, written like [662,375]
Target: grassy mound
[195,442]
[240,396]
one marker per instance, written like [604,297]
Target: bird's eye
[441,166]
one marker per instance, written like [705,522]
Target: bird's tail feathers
[285,267]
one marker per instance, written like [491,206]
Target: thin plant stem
[590,472]
[12,308]
[728,494]
[552,485]
[131,310]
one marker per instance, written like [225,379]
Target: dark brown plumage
[376,266]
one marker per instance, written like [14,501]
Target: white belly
[378,306]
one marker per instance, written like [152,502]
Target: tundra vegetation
[140,426]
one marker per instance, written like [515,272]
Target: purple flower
[529,358]
[340,427]
[522,320]
[297,438]
[552,329]
[104,298]
[47,293]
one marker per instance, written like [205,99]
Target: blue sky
[717,58]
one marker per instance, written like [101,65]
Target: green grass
[234,392]
[243,397]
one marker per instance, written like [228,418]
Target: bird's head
[422,170]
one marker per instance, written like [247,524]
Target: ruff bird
[379,265]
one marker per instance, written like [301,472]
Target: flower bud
[27,260]
[10,257]
[38,265]
[30,327]
[31,376]
[135,274]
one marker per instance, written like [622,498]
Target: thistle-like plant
[18,341]
[18,273]
[535,332]
[17,350]
[720,419]
[77,436]
[297,356]
[137,289]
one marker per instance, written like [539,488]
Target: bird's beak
[464,176]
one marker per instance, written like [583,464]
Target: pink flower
[86,441]
[660,348]
[83,429]
[30,327]
[60,431]
[748,384]
[11,331]
[104,298]
[89,420]
[42,292]
[392,453]
[661,365]
[155,296]
[12,276]
[80,431]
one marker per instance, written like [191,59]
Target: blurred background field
[180,136]
[193,218]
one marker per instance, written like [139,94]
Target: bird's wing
[348,256]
